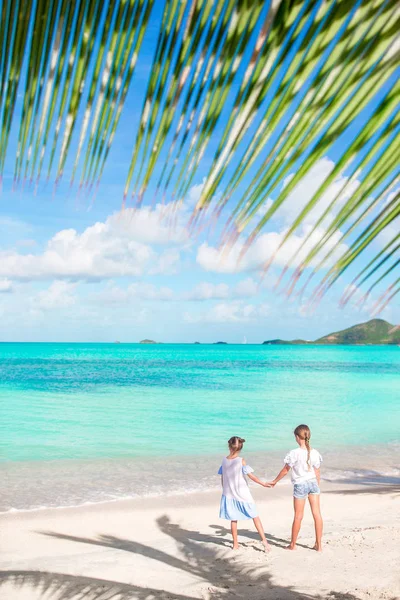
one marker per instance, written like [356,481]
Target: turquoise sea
[96,422]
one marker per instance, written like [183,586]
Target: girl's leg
[260,529]
[298,504]
[316,513]
[234,535]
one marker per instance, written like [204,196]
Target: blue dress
[237,502]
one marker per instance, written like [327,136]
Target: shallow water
[94,422]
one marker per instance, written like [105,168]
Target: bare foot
[235,547]
[291,547]
[317,547]
[267,547]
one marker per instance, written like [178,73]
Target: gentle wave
[67,484]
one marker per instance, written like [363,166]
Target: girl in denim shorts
[305,464]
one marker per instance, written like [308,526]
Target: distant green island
[374,332]
[147,342]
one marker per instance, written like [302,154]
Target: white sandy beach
[177,548]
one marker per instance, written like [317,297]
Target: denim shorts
[302,490]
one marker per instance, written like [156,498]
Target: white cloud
[262,250]
[58,295]
[136,291]
[162,225]
[246,288]
[119,247]
[265,246]
[166,264]
[14,225]
[229,312]
[27,243]
[195,193]
[308,186]
[148,291]
[209,291]
[219,291]
[6,286]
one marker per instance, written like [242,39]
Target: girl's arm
[280,476]
[253,477]
[318,475]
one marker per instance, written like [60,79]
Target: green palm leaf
[252,94]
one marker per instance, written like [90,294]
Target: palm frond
[250,94]
[81,56]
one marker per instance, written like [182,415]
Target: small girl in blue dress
[237,503]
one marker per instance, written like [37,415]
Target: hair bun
[236,442]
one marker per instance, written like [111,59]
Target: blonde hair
[304,433]
[235,443]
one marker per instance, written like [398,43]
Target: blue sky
[74,269]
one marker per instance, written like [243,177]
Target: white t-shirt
[297,461]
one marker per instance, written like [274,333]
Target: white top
[234,482]
[297,461]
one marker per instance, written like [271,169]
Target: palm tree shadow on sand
[219,576]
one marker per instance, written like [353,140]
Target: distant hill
[279,342]
[374,332]
[147,342]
